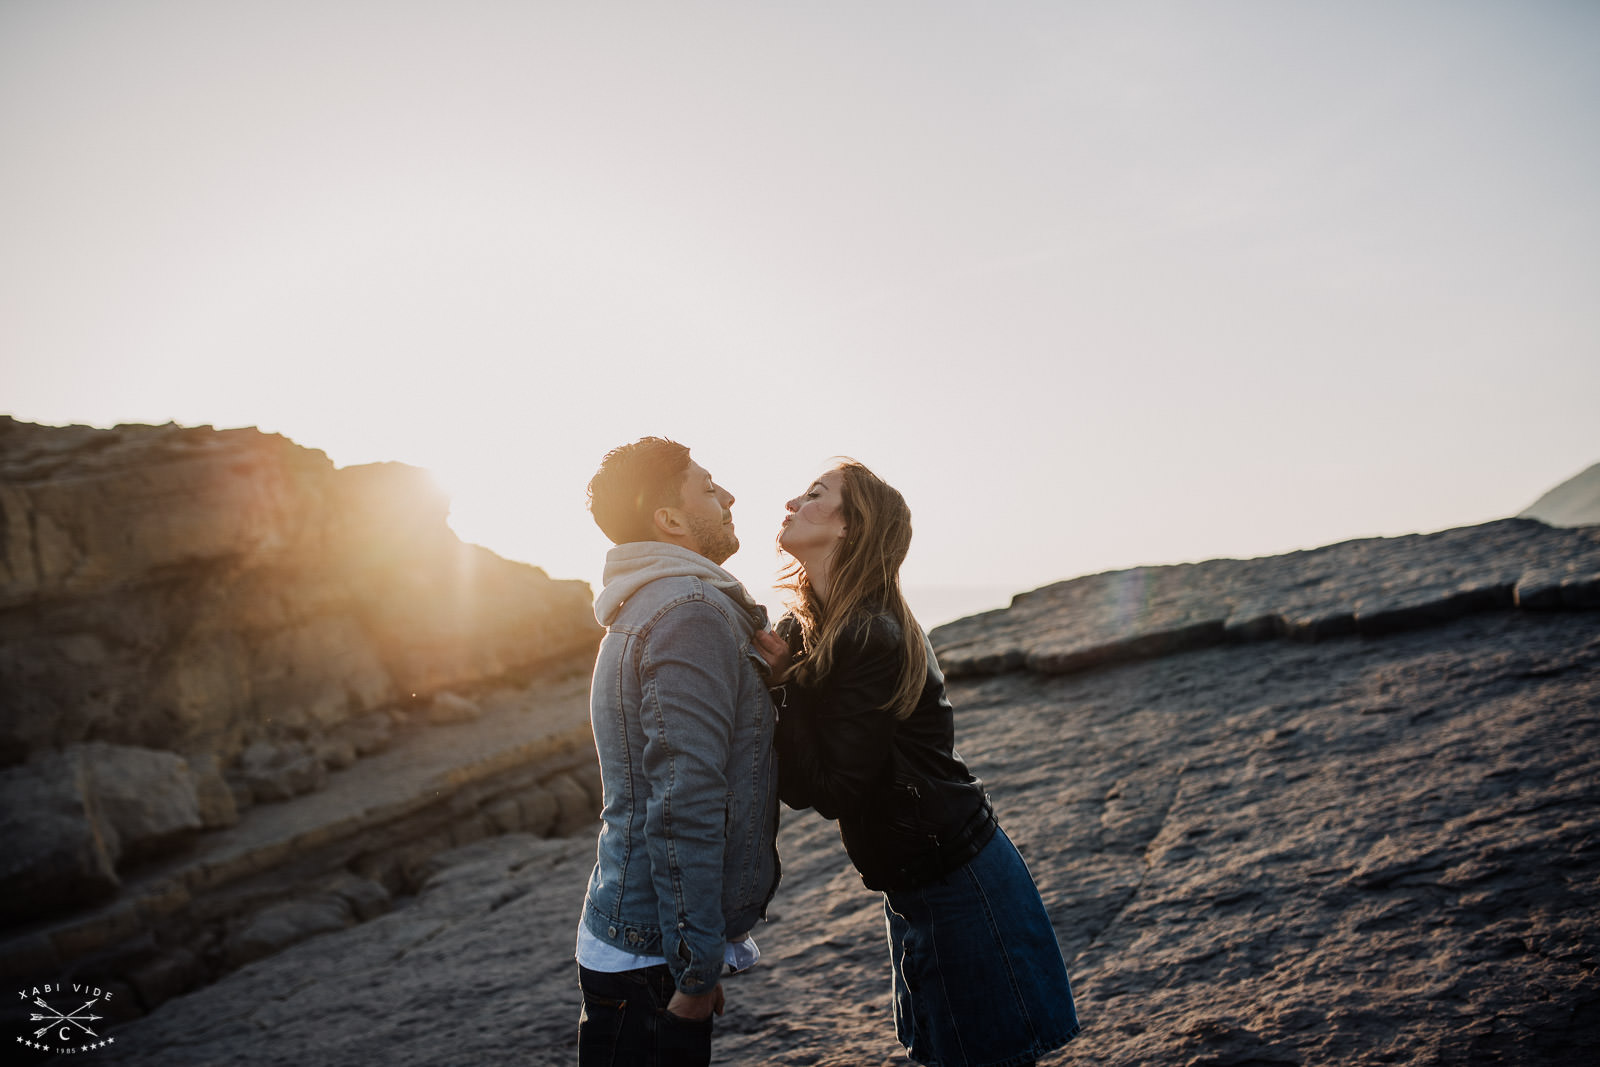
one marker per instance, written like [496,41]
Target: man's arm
[691,660]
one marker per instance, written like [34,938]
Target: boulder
[73,819]
[504,816]
[367,733]
[334,753]
[538,810]
[367,898]
[449,708]
[576,810]
[157,975]
[215,798]
[276,928]
[147,799]
[277,771]
[57,853]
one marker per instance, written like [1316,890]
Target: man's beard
[715,541]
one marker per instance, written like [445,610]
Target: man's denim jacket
[687,856]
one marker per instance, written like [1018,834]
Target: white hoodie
[631,567]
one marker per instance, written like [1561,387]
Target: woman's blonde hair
[864,577]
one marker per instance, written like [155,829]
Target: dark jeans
[625,1022]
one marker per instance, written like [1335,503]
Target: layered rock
[193,589]
[281,873]
[235,601]
[1368,587]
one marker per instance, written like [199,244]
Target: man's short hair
[632,482]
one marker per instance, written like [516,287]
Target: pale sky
[1095,284]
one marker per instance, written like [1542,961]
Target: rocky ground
[1363,846]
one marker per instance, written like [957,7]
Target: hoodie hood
[631,567]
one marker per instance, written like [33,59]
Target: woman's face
[814,524]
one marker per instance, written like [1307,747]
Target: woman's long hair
[864,578]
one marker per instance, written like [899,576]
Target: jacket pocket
[905,808]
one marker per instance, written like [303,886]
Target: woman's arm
[834,741]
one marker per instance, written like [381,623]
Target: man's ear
[666,521]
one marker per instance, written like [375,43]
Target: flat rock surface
[420,766]
[1371,586]
[1357,851]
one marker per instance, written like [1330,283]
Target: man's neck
[685,544]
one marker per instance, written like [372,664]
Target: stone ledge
[378,821]
[1368,588]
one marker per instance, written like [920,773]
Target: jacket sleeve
[691,663]
[835,742]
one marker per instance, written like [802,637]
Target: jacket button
[611,931]
[633,937]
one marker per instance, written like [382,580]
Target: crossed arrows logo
[55,1018]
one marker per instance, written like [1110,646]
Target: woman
[866,736]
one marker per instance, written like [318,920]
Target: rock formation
[193,621]
[1368,587]
[1332,807]
[1575,502]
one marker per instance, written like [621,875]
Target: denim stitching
[1005,952]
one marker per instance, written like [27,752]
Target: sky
[1094,284]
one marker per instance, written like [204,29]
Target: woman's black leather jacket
[909,811]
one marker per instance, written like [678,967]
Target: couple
[695,707]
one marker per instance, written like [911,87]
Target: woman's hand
[774,650]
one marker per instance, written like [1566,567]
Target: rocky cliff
[194,621]
[1338,806]
[1575,502]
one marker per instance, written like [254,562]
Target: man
[686,859]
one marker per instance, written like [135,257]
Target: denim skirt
[978,976]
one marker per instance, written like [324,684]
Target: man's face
[706,508]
